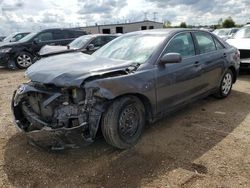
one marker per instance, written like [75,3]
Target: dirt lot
[204,145]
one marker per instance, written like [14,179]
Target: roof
[164,31]
[124,24]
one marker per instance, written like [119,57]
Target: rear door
[179,82]
[211,56]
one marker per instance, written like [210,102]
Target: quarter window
[182,44]
[205,42]
[219,46]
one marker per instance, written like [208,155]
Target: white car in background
[225,33]
[241,40]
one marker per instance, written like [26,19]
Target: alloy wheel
[24,60]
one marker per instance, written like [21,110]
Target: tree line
[227,23]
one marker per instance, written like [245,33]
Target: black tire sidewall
[111,119]
[140,125]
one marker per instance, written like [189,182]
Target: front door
[179,82]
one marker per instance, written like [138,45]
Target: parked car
[22,53]
[87,44]
[136,78]
[14,37]
[225,33]
[1,38]
[241,40]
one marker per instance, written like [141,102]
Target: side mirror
[90,47]
[171,58]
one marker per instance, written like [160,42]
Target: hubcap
[128,122]
[24,60]
[226,84]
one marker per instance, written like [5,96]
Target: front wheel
[123,122]
[24,60]
[226,85]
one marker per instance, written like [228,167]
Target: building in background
[122,28]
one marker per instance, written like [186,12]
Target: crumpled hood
[49,50]
[241,44]
[72,69]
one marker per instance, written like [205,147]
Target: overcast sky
[20,15]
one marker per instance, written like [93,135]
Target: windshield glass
[80,42]
[243,33]
[27,37]
[221,32]
[137,48]
[8,38]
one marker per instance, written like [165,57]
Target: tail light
[237,55]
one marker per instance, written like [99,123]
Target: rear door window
[58,35]
[205,42]
[182,44]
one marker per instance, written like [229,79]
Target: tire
[24,60]
[123,122]
[225,85]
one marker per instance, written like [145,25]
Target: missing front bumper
[40,133]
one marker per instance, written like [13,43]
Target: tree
[228,23]
[167,24]
[183,25]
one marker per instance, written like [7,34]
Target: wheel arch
[145,101]
[233,69]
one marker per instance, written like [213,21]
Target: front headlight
[5,50]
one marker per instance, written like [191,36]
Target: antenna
[155,14]
[145,16]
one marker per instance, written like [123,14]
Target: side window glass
[98,42]
[205,42]
[58,35]
[219,46]
[182,44]
[45,37]
[18,37]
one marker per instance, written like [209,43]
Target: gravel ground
[204,145]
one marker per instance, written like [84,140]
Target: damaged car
[133,80]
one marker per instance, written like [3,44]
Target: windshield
[27,37]
[221,32]
[137,48]
[8,38]
[243,33]
[80,42]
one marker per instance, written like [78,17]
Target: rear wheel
[24,60]
[226,85]
[123,122]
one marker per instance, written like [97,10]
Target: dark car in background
[2,38]
[22,53]
[14,37]
[87,44]
[136,78]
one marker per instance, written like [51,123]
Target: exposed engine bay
[46,110]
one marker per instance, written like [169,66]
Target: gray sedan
[136,78]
